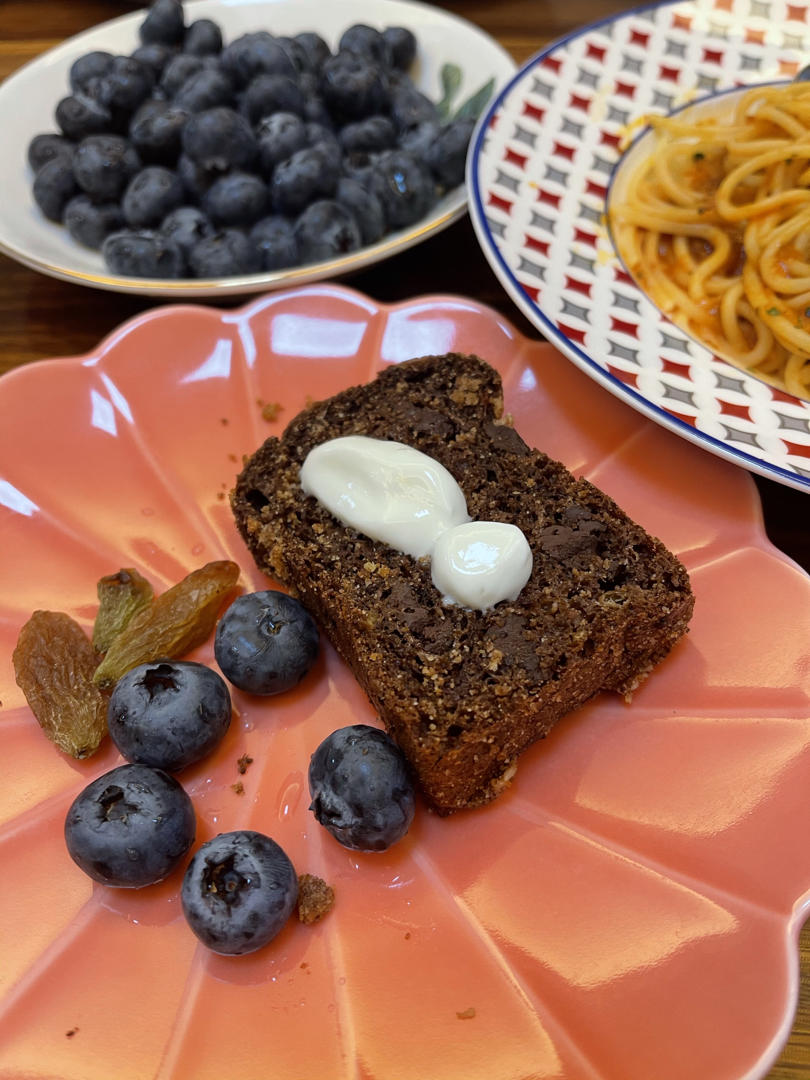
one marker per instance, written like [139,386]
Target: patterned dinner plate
[539,174]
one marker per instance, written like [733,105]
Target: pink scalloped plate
[628,909]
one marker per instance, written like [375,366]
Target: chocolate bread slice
[464,692]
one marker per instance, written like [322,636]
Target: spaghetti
[714,225]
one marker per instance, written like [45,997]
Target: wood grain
[41,317]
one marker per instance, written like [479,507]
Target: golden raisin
[120,596]
[54,663]
[176,621]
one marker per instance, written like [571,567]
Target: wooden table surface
[41,317]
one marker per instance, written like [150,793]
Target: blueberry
[372,133]
[446,156]
[150,195]
[364,206]
[143,255]
[268,94]
[275,241]
[44,148]
[125,86]
[203,38]
[196,179]
[224,254]
[208,89]
[418,139]
[361,789]
[130,827]
[220,139]
[79,115]
[104,165]
[402,44]
[278,137]
[54,186]
[404,187]
[326,230]
[410,107]
[179,70]
[186,226]
[297,53]
[238,198]
[155,55]
[265,642]
[361,166]
[301,179]
[164,23]
[89,223]
[156,131]
[251,54]
[315,47]
[323,137]
[239,890]
[352,86]
[87,68]
[169,714]
[366,41]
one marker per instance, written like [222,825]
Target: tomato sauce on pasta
[714,225]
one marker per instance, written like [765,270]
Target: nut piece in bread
[465,692]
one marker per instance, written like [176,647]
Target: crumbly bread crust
[465,692]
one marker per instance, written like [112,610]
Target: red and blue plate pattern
[539,175]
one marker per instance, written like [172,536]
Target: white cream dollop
[386,490]
[480,563]
[394,493]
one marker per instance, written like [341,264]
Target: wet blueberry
[156,131]
[301,179]
[268,94]
[88,67]
[164,22]
[143,254]
[446,156]
[79,115]
[54,186]
[186,226]
[275,241]
[104,165]
[169,714]
[326,230]
[203,38]
[266,642]
[239,890]
[352,86]
[402,44]
[226,253]
[130,827]
[208,89]
[150,195]
[238,198]
[90,223]
[404,187]
[364,206]
[253,54]
[44,148]
[220,139]
[279,136]
[360,787]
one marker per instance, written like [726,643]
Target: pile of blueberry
[199,158]
[133,826]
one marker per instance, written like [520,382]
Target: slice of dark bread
[464,692]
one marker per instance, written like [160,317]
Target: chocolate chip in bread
[464,692]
